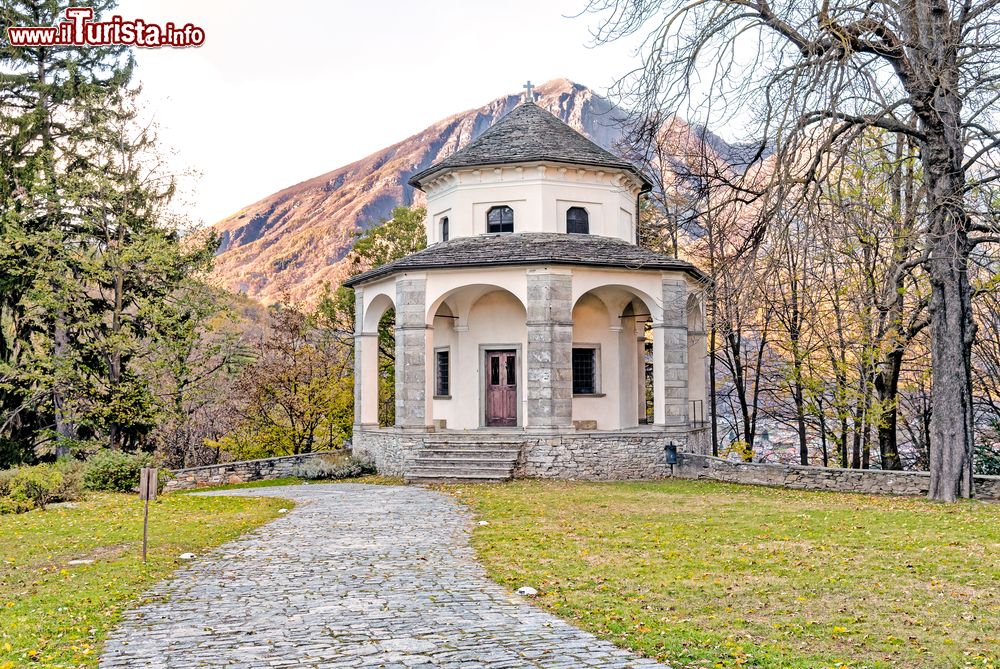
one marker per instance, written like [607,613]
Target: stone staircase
[457,461]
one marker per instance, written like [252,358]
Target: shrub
[39,485]
[5,478]
[335,468]
[115,471]
[25,488]
[72,480]
[11,505]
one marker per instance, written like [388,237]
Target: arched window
[500,219]
[577,221]
[444,229]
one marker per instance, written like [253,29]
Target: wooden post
[147,491]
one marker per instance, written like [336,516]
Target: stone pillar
[365,367]
[670,348]
[550,349]
[411,353]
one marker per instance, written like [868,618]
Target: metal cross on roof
[529,96]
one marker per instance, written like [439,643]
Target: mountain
[294,241]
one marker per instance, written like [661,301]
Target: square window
[584,371]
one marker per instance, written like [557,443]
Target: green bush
[6,475]
[11,505]
[37,485]
[24,488]
[115,471]
[72,480]
[334,468]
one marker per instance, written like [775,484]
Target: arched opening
[479,339]
[697,353]
[500,219]
[577,221]
[387,369]
[610,359]
[377,363]
[444,229]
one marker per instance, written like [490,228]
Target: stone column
[550,346]
[411,353]
[365,367]
[670,347]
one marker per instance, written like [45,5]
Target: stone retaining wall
[875,481]
[391,449]
[241,472]
[597,456]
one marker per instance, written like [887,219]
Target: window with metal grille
[500,219]
[444,229]
[577,221]
[584,371]
[442,387]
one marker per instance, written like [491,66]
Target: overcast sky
[283,91]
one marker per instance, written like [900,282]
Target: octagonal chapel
[533,336]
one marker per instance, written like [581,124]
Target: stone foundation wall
[391,449]
[874,481]
[241,472]
[597,456]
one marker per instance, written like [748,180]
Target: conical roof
[528,134]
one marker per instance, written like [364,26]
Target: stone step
[446,458]
[455,475]
[466,469]
[452,480]
[500,469]
[491,453]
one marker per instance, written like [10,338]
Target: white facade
[470,311]
[547,341]
[539,194]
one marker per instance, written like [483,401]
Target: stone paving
[354,576]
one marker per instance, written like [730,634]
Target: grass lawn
[53,614]
[712,575]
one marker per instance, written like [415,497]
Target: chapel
[533,335]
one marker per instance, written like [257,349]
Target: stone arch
[614,294]
[695,313]
[374,310]
[461,299]
[466,321]
[609,329]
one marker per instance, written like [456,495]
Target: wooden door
[501,388]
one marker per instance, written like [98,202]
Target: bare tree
[819,74]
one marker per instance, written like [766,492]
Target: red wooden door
[501,388]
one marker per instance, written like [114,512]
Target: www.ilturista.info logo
[81,30]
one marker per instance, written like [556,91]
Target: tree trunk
[938,105]
[952,331]
[65,427]
[886,385]
[115,362]
[800,416]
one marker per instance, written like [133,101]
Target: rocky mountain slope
[293,241]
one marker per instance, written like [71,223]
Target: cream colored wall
[489,308]
[539,194]
[592,325]
[496,319]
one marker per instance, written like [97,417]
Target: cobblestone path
[354,576]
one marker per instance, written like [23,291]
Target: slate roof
[528,133]
[530,248]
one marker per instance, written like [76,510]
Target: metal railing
[696,412]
